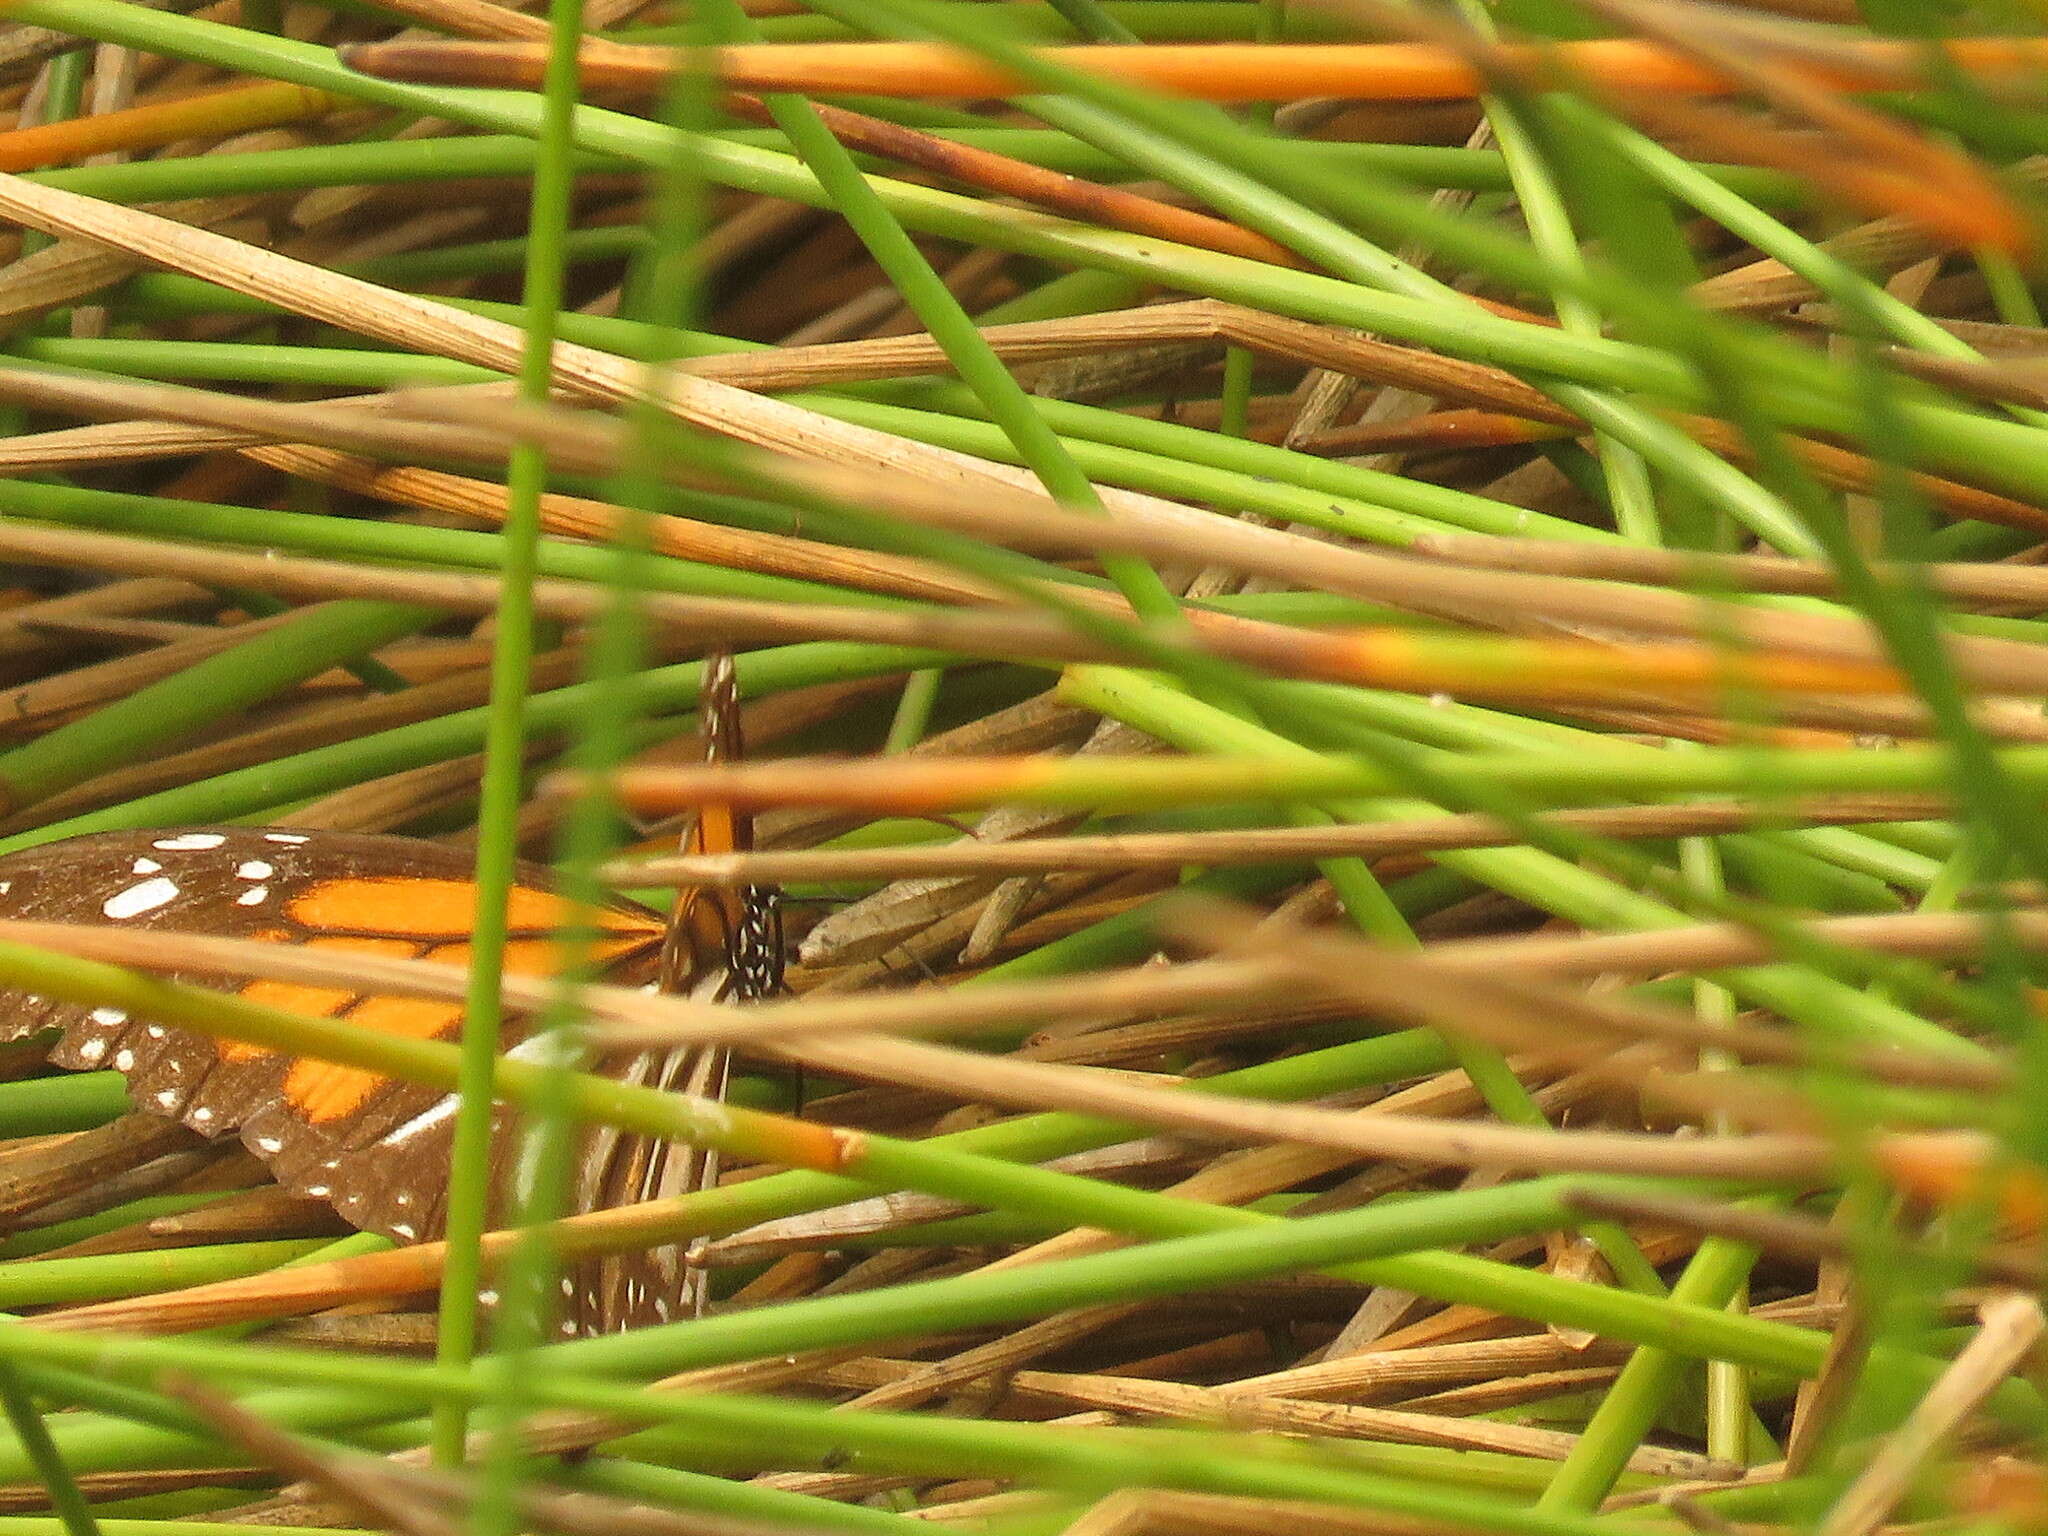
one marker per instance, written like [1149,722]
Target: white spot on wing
[268,1144]
[138,899]
[92,1050]
[146,867]
[167,1098]
[255,896]
[156,1031]
[109,1016]
[124,1061]
[189,842]
[317,1191]
[202,1115]
[254,869]
[284,837]
[428,1118]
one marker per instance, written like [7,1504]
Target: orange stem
[216,114]
[1947,1171]
[1006,176]
[1223,72]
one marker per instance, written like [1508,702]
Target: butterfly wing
[720,942]
[375,1147]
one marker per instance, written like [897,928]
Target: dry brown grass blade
[1521,1012]
[1012,634]
[1679,677]
[581,517]
[322,726]
[921,789]
[31,627]
[1165,1512]
[2012,1325]
[427,326]
[1025,1083]
[32,703]
[1777,1232]
[356,1481]
[1297,1416]
[624,1017]
[1172,850]
[63,1166]
[1882,246]
[1967,585]
[1035,1086]
[1085,337]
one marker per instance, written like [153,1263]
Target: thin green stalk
[31,1241]
[2011,298]
[1544,879]
[1827,272]
[1646,1384]
[102,1277]
[51,1471]
[1383,1244]
[928,297]
[913,710]
[216,689]
[63,91]
[251,362]
[367,670]
[1094,22]
[665,286]
[503,789]
[1236,400]
[1629,491]
[1230,169]
[1054,1455]
[71,1101]
[605,242]
[381,162]
[672,1488]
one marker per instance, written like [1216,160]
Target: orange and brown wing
[719,939]
[377,1148]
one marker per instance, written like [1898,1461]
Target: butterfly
[377,1148]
